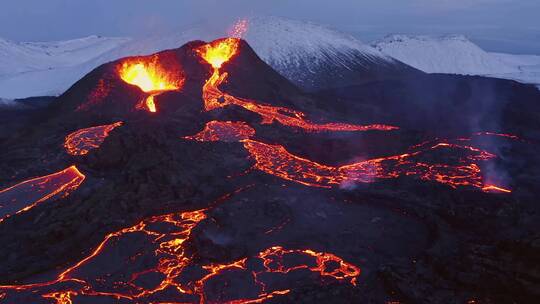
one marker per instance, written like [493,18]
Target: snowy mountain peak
[297,38]
[303,51]
[453,54]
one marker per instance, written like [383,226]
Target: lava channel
[220,51]
[82,141]
[152,78]
[26,195]
[277,161]
[150,263]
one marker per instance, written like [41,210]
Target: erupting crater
[151,77]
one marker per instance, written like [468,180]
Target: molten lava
[493,188]
[154,251]
[151,77]
[82,141]
[26,195]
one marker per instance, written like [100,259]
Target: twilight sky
[503,25]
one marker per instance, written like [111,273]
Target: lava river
[277,161]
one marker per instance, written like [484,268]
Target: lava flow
[277,161]
[151,77]
[149,262]
[82,141]
[220,51]
[26,195]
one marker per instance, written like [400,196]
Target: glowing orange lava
[159,251]
[26,195]
[492,188]
[151,77]
[82,141]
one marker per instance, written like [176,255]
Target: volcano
[201,175]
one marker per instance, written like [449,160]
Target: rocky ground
[414,241]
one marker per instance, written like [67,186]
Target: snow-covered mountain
[23,57]
[315,57]
[47,68]
[456,54]
[310,55]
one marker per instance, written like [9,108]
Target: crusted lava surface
[200,175]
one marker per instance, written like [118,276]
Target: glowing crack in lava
[462,170]
[26,195]
[82,141]
[227,131]
[150,262]
[151,77]
[220,51]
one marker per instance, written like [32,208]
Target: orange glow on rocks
[26,195]
[161,253]
[96,96]
[82,141]
[277,161]
[150,77]
[224,131]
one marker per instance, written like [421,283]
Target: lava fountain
[151,77]
[218,52]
